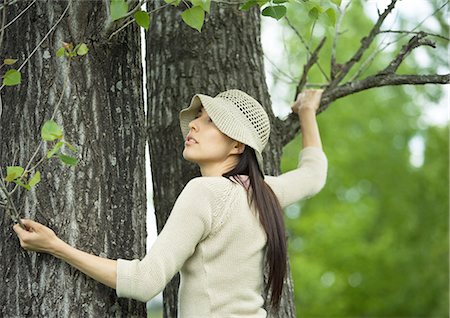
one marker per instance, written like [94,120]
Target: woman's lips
[190,141]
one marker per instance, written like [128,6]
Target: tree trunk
[100,205]
[182,62]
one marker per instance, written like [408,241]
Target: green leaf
[26,186]
[337,2]
[13,172]
[51,131]
[194,17]
[35,179]
[331,16]
[142,19]
[279,1]
[70,146]
[204,4]
[9,61]
[60,52]
[119,8]
[173,2]
[276,12]
[247,5]
[68,160]
[12,77]
[82,49]
[313,13]
[55,149]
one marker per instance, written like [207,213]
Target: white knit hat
[236,114]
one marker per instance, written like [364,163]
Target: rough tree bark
[181,62]
[100,206]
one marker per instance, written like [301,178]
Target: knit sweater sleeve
[305,181]
[188,223]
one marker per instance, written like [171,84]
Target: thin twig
[41,142]
[11,3]
[308,49]
[365,43]
[10,204]
[135,9]
[336,35]
[3,27]
[281,71]
[412,32]
[121,28]
[43,39]
[132,20]
[311,61]
[414,42]
[18,16]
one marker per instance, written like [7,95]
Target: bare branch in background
[311,61]
[306,47]
[365,43]
[414,42]
[333,66]
[17,17]
[412,32]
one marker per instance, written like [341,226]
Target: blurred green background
[374,241]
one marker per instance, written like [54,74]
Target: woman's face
[206,145]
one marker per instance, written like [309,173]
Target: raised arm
[310,175]
[306,107]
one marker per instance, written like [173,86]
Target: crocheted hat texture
[236,114]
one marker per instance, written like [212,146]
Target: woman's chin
[188,157]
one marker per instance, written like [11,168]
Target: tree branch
[414,42]
[17,17]
[306,46]
[311,61]
[333,66]
[290,127]
[412,32]
[365,43]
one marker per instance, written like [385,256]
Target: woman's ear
[239,147]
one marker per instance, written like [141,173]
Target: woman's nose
[192,124]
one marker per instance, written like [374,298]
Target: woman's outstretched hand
[308,99]
[36,237]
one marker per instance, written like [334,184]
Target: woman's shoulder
[210,186]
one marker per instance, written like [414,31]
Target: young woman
[226,226]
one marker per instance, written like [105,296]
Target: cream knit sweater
[217,243]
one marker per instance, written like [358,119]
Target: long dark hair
[271,217]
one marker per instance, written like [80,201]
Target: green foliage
[204,4]
[173,2]
[13,172]
[35,179]
[274,11]
[194,17]
[68,160]
[12,77]
[69,51]
[118,8]
[51,131]
[55,149]
[9,61]
[81,49]
[17,174]
[142,19]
